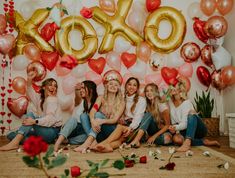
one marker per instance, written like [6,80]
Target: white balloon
[216,42]
[194,10]
[221,58]
[27,9]
[121,45]
[79,70]
[174,60]
[20,62]
[66,101]
[138,69]
[157,61]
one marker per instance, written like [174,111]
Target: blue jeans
[148,125]
[73,131]
[196,130]
[49,134]
[106,129]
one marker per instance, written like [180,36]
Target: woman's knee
[84,117]
[167,138]
[178,139]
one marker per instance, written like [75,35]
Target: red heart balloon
[198,27]
[49,59]
[68,62]
[97,65]
[152,5]
[48,31]
[204,75]
[128,59]
[36,88]
[18,106]
[169,75]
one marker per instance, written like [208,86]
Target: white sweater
[138,113]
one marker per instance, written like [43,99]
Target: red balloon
[217,81]
[49,59]
[18,106]
[204,75]
[97,65]
[128,59]
[206,55]
[169,75]
[39,68]
[198,27]
[152,5]
[190,52]
[228,75]
[48,31]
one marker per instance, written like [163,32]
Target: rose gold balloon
[224,6]
[208,6]
[19,85]
[190,52]
[32,52]
[216,26]
[7,43]
[40,70]
[228,75]
[3,24]
[107,5]
[206,52]
[143,51]
[217,81]
[18,106]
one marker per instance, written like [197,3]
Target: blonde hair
[183,89]
[152,106]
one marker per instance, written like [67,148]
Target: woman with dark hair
[85,97]
[46,121]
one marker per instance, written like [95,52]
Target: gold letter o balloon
[178,31]
[90,40]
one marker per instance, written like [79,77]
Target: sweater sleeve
[34,98]
[49,119]
[138,113]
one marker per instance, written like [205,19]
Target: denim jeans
[73,131]
[106,129]
[49,134]
[148,125]
[196,130]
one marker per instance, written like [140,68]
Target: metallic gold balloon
[178,31]
[28,30]
[115,25]
[90,39]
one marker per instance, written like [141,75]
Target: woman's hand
[96,126]
[28,121]
[151,140]
[127,131]
[172,129]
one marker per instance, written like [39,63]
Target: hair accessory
[112,75]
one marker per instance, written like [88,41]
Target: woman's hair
[118,100]
[181,87]
[42,89]
[152,106]
[136,97]
[91,87]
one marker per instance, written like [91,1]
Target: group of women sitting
[102,123]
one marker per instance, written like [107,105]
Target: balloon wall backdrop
[159,42]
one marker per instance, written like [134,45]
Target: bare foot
[9,146]
[81,149]
[185,147]
[94,143]
[211,143]
[104,148]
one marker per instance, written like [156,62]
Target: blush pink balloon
[136,20]
[7,43]
[224,6]
[217,81]
[3,24]
[153,78]
[68,84]
[143,51]
[90,75]
[186,70]
[32,52]
[19,85]
[228,75]
[113,59]
[208,6]
[107,5]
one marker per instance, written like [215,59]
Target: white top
[51,116]
[138,113]
[77,111]
[180,113]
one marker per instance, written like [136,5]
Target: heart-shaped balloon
[7,42]
[152,5]
[198,27]
[60,70]
[68,62]
[48,31]
[169,75]
[18,106]
[97,65]
[128,59]
[49,59]
[186,70]
[204,76]
[39,68]
[3,24]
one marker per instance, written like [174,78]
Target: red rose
[143,159]
[35,145]
[170,166]
[86,12]
[75,171]
[129,163]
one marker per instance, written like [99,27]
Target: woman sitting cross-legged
[156,120]
[134,112]
[46,119]
[105,113]
[85,97]
[186,124]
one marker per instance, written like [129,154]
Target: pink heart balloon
[90,75]
[153,78]
[7,42]
[18,106]
[186,70]
[3,24]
